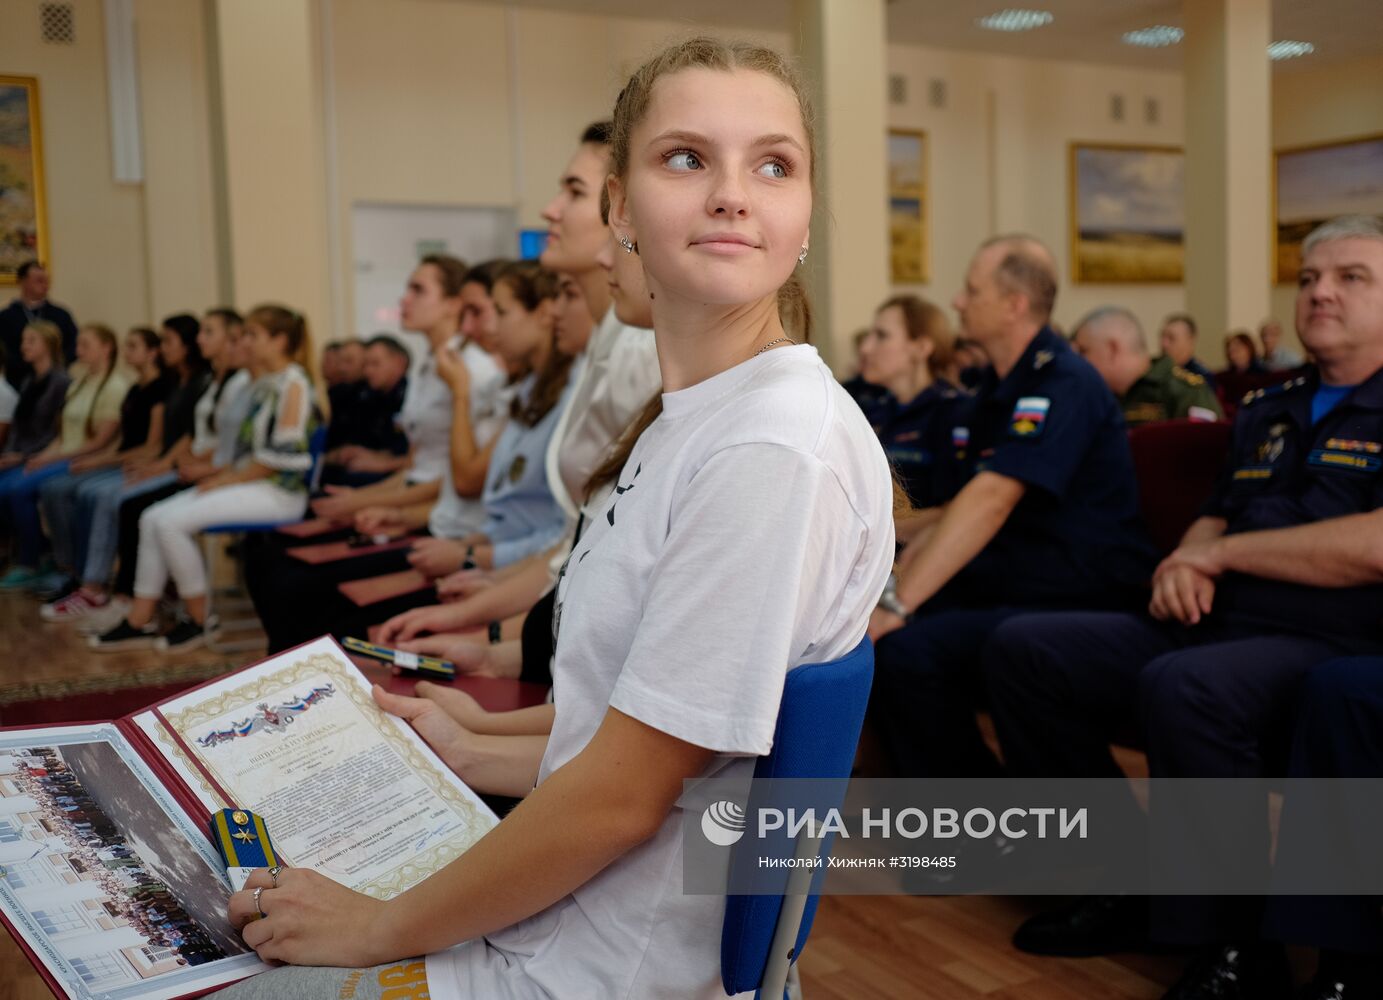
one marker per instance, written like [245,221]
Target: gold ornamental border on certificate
[417,866]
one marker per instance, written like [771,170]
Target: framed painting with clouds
[23,228]
[1127,213]
[1317,183]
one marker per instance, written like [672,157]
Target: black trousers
[127,547]
[298,601]
[1339,734]
[1214,701]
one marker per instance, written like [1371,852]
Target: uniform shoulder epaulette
[1187,376]
[1273,390]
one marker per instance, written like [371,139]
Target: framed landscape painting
[23,223]
[1127,208]
[1317,183]
[907,207]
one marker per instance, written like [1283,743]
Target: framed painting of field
[1317,183]
[23,222]
[907,207]
[1127,215]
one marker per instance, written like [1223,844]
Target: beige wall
[469,104]
[96,227]
[999,153]
[1311,106]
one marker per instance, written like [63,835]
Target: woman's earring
[802,257]
[629,245]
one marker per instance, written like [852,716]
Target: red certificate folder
[114,886]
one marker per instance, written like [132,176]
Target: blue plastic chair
[818,731]
[235,599]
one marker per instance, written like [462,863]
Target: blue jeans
[98,521]
[58,499]
[19,494]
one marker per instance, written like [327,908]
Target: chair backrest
[818,731]
[1177,463]
[317,447]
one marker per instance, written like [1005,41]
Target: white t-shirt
[425,415]
[752,532]
[619,376]
[9,399]
[455,516]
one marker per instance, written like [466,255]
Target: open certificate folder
[108,878]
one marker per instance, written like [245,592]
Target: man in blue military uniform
[1275,578]
[1047,516]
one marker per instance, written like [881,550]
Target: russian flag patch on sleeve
[1029,416]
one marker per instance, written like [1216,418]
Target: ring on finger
[259,909]
[274,874]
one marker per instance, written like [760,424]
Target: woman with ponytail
[750,532]
[266,481]
[90,421]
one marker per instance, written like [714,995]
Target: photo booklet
[109,879]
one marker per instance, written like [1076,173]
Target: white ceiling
[1083,30]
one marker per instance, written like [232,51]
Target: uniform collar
[1368,394]
[1042,351]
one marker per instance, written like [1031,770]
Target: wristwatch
[888,600]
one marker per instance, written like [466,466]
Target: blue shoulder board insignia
[1273,390]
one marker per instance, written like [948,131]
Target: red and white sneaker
[77,604]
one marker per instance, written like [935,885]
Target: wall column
[275,157]
[841,47]
[1228,166]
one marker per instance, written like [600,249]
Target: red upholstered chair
[1177,463]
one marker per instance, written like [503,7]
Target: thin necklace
[773,343]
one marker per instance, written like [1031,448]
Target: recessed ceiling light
[1287,49]
[1015,20]
[1157,37]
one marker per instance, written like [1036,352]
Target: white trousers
[168,531]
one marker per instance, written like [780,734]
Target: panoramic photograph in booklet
[104,879]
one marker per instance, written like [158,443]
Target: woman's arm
[617,791]
[510,596]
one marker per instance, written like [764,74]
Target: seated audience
[209,396]
[267,481]
[364,440]
[1277,357]
[66,500]
[1241,356]
[343,363]
[90,421]
[907,352]
[41,395]
[969,361]
[1047,516]
[452,414]
[30,306]
[1271,581]
[1149,390]
[1178,340]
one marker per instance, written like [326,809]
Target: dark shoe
[1092,925]
[1323,989]
[124,636]
[187,634]
[1256,972]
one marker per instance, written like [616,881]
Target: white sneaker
[110,615]
[68,609]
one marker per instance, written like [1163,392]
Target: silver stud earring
[802,257]
[629,245]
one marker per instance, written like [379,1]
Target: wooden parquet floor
[896,947]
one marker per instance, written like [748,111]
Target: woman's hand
[469,652]
[464,583]
[338,505]
[411,624]
[215,482]
[434,557]
[447,737]
[380,521]
[311,920]
[453,372]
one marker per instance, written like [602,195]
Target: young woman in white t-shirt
[750,532]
